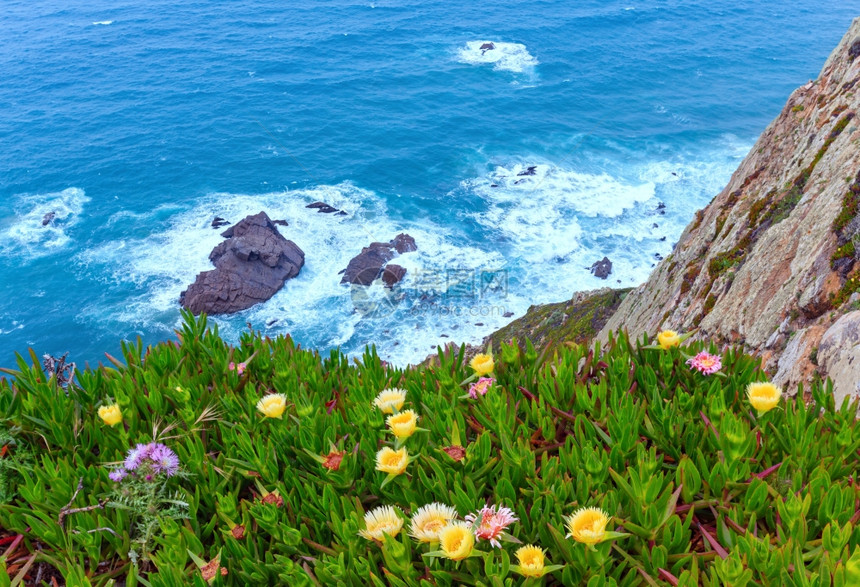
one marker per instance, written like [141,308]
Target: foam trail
[103,22]
[24,234]
[505,56]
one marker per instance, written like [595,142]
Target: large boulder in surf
[365,267]
[250,266]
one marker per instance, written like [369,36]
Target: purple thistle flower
[164,460]
[137,455]
[117,475]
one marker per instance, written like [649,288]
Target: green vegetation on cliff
[196,462]
[577,320]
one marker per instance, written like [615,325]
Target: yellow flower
[588,525]
[430,520]
[763,396]
[531,561]
[273,405]
[390,400]
[482,364]
[110,415]
[668,338]
[402,425]
[382,520]
[392,461]
[456,540]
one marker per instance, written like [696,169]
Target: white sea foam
[556,222]
[22,232]
[103,22]
[314,306]
[508,56]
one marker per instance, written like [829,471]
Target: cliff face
[770,263]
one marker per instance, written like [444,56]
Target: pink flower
[705,363]
[480,387]
[489,523]
[240,368]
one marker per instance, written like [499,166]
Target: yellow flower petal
[392,461]
[668,338]
[763,396]
[531,561]
[403,425]
[456,540]
[588,525]
[482,364]
[273,405]
[382,520]
[429,521]
[110,415]
[390,400]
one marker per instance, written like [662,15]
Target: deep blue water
[137,123]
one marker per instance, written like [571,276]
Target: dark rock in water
[281,222]
[602,268]
[655,225]
[661,208]
[49,217]
[532,170]
[325,208]
[662,239]
[271,322]
[658,256]
[218,222]
[365,267]
[392,274]
[341,213]
[403,243]
[494,185]
[487,47]
[250,266]
[507,314]
[479,323]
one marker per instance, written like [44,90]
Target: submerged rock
[250,266]
[48,218]
[365,267]
[602,268]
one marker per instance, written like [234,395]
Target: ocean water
[137,123]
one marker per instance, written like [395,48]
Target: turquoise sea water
[137,123]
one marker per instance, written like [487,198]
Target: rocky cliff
[772,262]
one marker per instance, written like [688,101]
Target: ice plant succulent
[403,424]
[110,415]
[763,396]
[392,461]
[429,521]
[705,363]
[480,387]
[482,364]
[273,405]
[489,523]
[380,521]
[456,540]
[390,400]
[530,560]
[668,338]
[588,525]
